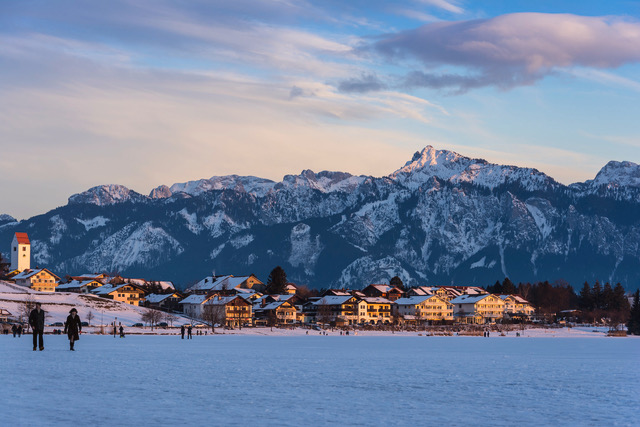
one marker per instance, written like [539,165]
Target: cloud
[510,50]
[449,6]
[367,82]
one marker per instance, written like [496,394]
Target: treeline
[594,303]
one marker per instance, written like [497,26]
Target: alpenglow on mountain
[440,219]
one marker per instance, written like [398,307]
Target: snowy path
[317,380]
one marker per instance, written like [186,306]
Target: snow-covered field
[320,380]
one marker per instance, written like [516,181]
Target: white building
[20,252]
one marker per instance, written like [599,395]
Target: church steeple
[20,252]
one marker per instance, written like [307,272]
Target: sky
[144,93]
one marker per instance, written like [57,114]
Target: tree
[633,325]
[277,281]
[4,267]
[89,317]
[596,295]
[508,288]
[170,318]
[152,317]
[214,314]
[586,298]
[397,282]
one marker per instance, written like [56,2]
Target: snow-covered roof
[218,300]
[209,283]
[157,298]
[107,289]
[413,300]
[376,300]
[76,284]
[271,306]
[194,299]
[468,299]
[30,273]
[517,298]
[332,300]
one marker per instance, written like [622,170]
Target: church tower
[20,252]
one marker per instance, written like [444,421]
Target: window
[15,248]
[24,248]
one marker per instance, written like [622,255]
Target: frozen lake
[317,380]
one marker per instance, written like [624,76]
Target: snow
[92,223]
[320,380]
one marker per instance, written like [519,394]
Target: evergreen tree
[586,298]
[607,297]
[496,288]
[620,298]
[397,282]
[277,281]
[633,325]
[508,288]
[596,296]
[4,266]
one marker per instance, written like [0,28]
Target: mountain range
[442,218]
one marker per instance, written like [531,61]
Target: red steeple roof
[23,239]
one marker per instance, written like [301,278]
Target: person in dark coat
[182,331]
[14,329]
[19,329]
[36,321]
[73,327]
[121,331]
[189,333]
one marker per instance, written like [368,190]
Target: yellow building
[478,308]
[378,311]
[230,311]
[424,308]
[40,280]
[128,293]
[516,306]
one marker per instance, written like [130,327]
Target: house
[291,288]
[127,292]
[341,310]
[378,311]
[517,307]
[39,280]
[79,286]
[383,291]
[21,252]
[4,315]
[429,308]
[166,302]
[102,278]
[226,284]
[192,305]
[478,309]
[231,311]
[277,312]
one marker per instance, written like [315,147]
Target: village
[245,301]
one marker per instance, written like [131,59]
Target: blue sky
[147,93]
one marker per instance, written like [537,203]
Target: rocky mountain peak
[618,174]
[106,195]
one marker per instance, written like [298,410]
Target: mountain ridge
[442,218]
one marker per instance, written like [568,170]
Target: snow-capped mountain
[442,218]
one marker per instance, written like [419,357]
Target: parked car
[163,324]
[84,324]
[57,324]
[137,325]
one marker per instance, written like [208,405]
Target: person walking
[115,330]
[14,330]
[19,329]
[121,331]
[73,327]
[36,321]
[189,333]
[182,331]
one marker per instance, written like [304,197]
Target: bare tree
[152,317]
[90,317]
[170,318]
[214,314]
[324,314]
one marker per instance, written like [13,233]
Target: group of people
[16,330]
[188,329]
[72,327]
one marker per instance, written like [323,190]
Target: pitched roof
[194,299]
[469,299]
[157,298]
[23,239]
[76,284]
[376,300]
[332,300]
[29,273]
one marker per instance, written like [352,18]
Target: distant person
[189,333]
[19,329]
[73,327]
[36,321]
[182,331]
[121,331]
[14,330]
